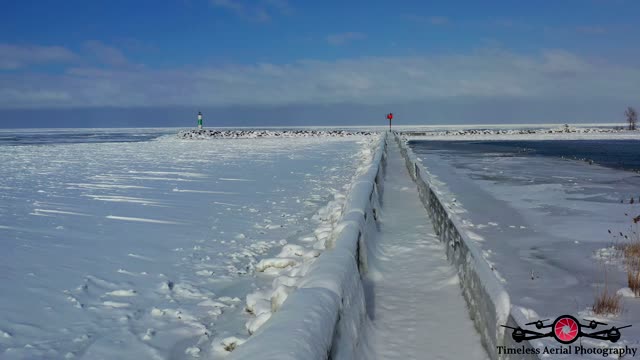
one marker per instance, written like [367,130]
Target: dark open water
[618,154]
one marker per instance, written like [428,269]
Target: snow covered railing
[325,316]
[487,299]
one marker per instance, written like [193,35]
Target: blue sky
[286,62]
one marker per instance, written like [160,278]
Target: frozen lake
[543,221]
[143,247]
[10,137]
[618,154]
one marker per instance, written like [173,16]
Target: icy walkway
[414,299]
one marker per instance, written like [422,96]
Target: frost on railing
[488,302]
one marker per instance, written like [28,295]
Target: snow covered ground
[543,226]
[414,301]
[148,249]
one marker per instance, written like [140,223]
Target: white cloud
[494,75]
[33,97]
[15,56]
[258,11]
[345,38]
[106,54]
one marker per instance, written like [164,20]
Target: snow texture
[325,316]
[414,300]
[147,250]
[487,299]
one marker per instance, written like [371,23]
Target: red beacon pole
[390,117]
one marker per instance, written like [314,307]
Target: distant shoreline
[371,126]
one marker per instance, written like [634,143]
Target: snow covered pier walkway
[413,296]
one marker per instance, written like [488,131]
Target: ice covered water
[144,249]
[547,226]
[74,136]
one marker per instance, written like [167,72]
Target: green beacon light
[199,120]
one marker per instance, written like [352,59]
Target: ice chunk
[279,263]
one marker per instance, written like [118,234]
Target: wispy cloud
[512,24]
[282,6]
[106,54]
[258,11]
[496,75]
[15,56]
[232,5]
[521,25]
[593,30]
[438,20]
[21,57]
[431,20]
[241,10]
[345,38]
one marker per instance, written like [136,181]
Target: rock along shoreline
[204,134]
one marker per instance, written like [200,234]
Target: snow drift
[147,249]
[323,318]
